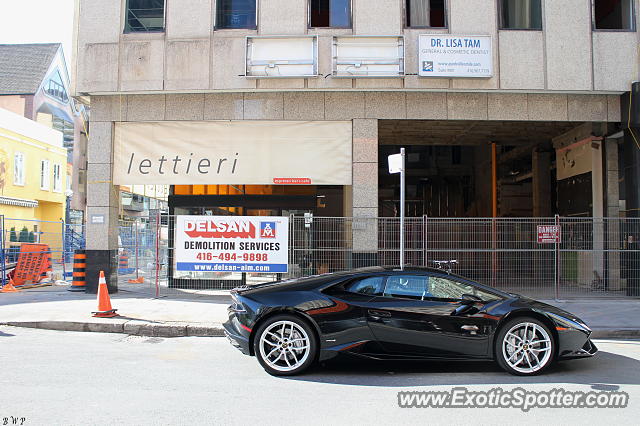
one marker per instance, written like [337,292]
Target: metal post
[424,239]
[2,255]
[494,179]
[557,262]
[158,218]
[64,251]
[402,195]
[292,242]
[135,224]
[494,211]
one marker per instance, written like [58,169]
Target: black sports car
[382,313]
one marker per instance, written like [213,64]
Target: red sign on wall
[549,234]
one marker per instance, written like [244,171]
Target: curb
[615,333]
[137,328]
[130,328]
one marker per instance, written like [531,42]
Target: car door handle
[377,315]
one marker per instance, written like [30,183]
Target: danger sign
[549,234]
[232,244]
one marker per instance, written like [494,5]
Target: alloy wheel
[284,346]
[527,347]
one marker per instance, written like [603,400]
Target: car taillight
[236,304]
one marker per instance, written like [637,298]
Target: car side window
[445,288]
[407,286]
[371,286]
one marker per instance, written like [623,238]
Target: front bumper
[236,338]
[586,350]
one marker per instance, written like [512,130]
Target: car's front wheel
[524,347]
[285,345]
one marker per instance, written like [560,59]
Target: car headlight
[574,323]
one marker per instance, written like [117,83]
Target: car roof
[408,268]
[366,270]
[378,269]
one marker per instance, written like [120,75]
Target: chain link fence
[596,257]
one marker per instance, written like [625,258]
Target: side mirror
[470,299]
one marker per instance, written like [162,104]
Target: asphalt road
[52,377]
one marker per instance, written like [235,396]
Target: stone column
[613,176]
[365,192]
[103,200]
[613,213]
[541,168]
[597,187]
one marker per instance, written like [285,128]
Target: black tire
[311,356]
[544,361]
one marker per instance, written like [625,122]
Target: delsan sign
[233,152]
[231,244]
[455,56]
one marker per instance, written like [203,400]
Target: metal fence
[61,238]
[597,257]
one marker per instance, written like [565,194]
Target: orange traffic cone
[9,288]
[139,280]
[104,301]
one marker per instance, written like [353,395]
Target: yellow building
[33,178]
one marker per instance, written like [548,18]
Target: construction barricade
[79,282]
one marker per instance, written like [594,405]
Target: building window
[425,14]
[54,87]
[44,175]
[521,15]
[68,134]
[236,14]
[57,178]
[613,15]
[330,14]
[144,16]
[18,169]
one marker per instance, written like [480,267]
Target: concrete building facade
[550,98]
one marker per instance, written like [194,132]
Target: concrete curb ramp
[132,328]
[139,328]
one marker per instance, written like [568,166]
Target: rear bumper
[236,338]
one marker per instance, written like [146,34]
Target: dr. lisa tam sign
[231,244]
[455,56]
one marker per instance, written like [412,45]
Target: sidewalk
[201,313]
[55,308]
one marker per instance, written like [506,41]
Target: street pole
[397,165]
[402,195]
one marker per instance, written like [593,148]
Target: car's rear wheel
[524,347]
[285,345]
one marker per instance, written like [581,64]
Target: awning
[21,202]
